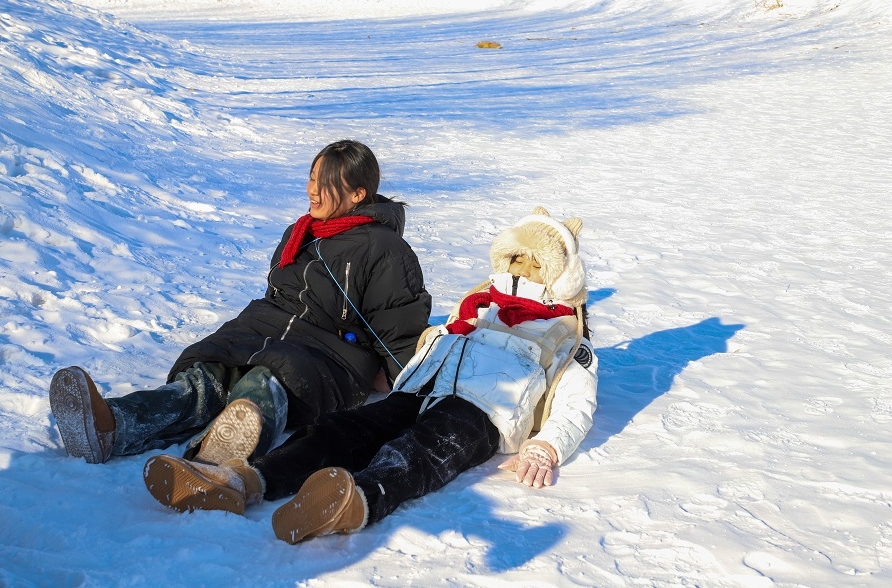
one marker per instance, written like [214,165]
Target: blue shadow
[596,296]
[459,508]
[632,374]
[438,319]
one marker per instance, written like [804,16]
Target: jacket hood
[388,212]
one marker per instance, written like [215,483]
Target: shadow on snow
[633,374]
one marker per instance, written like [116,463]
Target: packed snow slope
[730,160]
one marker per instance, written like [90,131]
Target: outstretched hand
[533,466]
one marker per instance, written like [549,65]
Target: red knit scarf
[512,310]
[307,225]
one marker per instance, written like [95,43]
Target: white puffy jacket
[500,373]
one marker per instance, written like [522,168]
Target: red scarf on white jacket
[512,310]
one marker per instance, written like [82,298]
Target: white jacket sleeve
[572,408]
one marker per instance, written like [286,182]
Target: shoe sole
[175,484]
[234,434]
[73,411]
[316,507]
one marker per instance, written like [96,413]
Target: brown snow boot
[184,485]
[234,434]
[84,418]
[328,502]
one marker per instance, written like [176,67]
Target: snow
[731,161]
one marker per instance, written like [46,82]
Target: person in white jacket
[511,371]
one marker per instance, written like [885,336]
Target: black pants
[392,453]
[185,408]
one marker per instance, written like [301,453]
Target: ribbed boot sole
[175,484]
[316,507]
[70,404]
[234,434]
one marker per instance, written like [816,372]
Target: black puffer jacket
[379,280]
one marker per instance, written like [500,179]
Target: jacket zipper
[346,291]
[269,279]
[300,295]
[288,327]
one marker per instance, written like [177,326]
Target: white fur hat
[551,243]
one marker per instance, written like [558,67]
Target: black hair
[583,311]
[345,167]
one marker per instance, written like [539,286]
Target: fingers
[547,478]
[533,475]
[510,464]
[529,473]
[522,469]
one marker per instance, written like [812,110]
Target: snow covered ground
[732,163]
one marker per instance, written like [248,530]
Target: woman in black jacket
[342,314]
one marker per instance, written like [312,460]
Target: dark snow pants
[393,453]
[185,408]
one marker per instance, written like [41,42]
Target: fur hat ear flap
[572,279]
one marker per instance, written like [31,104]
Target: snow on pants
[393,453]
[185,408]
